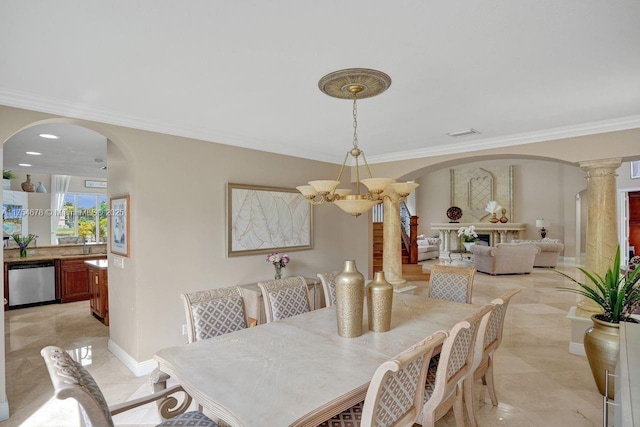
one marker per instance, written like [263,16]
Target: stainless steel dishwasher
[31,283]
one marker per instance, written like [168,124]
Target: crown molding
[28,101]
[475,144]
[47,105]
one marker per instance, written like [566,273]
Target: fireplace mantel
[498,232]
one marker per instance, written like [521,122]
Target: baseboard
[577,349]
[4,410]
[139,369]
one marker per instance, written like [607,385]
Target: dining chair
[448,370]
[71,380]
[213,312]
[284,298]
[487,342]
[451,283]
[396,391]
[329,286]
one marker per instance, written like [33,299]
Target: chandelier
[354,83]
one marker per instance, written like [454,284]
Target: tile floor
[538,382]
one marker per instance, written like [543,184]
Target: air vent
[465,132]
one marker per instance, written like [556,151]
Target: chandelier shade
[354,83]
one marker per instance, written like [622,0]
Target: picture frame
[635,169]
[264,219]
[119,229]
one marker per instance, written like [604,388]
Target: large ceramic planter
[602,345]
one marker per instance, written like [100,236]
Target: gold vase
[349,300]
[379,302]
[493,218]
[602,345]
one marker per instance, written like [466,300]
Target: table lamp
[541,224]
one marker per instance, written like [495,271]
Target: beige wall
[178,189]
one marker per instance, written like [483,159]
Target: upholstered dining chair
[71,379]
[487,342]
[284,298]
[396,391]
[451,283]
[213,312]
[447,371]
[329,287]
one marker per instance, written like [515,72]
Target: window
[84,215]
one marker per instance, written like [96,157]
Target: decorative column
[602,228]
[392,246]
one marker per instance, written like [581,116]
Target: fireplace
[485,237]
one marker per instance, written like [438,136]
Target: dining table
[299,371]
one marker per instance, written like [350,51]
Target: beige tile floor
[538,382]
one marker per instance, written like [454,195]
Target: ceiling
[246,73]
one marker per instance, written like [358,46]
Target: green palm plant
[617,294]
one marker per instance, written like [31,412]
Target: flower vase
[493,218]
[278,271]
[350,300]
[467,245]
[23,252]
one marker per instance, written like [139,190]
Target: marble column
[392,246]
[602,228]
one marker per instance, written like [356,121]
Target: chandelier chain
[355,121]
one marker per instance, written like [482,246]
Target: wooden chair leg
[490,383]
[458,407]
[469,400]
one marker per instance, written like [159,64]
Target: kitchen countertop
[98,263]
[54,257]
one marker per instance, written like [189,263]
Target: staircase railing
[408,226]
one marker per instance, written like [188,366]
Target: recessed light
[34,153]
[49,136]
[98,160]
[104,168]
[26,165]
[465,132]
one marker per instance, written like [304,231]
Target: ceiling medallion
[340,84]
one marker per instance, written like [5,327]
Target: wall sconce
[541,224]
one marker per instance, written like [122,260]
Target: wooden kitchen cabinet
[99,290]
[72,279]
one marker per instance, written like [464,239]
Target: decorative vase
[349,300]
[493,218]
[41,188]
[467,245]
[379,302]
[23,252]
[602,345]
[28,185]
[504,218]
[278,271]
[6,184]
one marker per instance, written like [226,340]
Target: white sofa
[550,250]
[428,247]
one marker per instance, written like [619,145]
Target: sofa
[549,251]
[428,247]
[505,258]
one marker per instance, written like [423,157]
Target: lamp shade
[355,204]
[542,223]
[404,188]
[324,186]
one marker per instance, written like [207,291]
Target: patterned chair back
[448,371]
[70,379]
[329,287]
[493,334]
[396,391]
[451,283]
[284,298]
[213,312]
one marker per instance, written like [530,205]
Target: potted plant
[618,296]
[7,176]
[468,235]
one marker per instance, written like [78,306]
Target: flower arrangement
[468,234]
[493,207]
[279,261]
[23,242]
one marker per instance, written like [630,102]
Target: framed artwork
[267,219]
[635,169]
[119,231]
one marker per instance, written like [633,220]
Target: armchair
[505,258]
